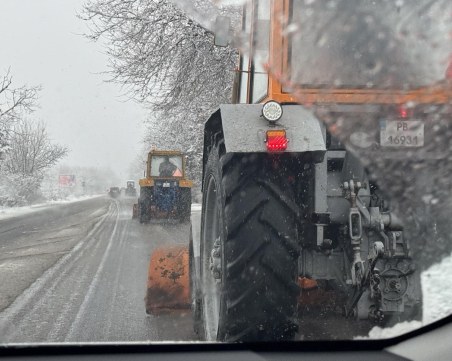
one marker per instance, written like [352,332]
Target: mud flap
[168,280]
[314,296]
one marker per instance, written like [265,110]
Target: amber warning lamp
[276,140]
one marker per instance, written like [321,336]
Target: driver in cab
[167,168]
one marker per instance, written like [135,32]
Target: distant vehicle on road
[114,192]
[130,190]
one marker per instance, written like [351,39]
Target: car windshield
[389,44]
[224,170]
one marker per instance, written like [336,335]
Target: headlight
[272,111]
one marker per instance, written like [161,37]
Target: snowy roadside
[10,212]
[437,290]
[196,207]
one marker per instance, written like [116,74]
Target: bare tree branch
[14,102]
[166,60]
[32,152]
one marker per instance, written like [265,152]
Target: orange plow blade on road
[168,280]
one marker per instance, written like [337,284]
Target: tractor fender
[168,280]
[244,129]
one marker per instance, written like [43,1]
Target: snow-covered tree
[165,59]
[162,56]
[14,102]
[31,153]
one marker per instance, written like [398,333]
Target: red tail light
[403,112]
[276,140]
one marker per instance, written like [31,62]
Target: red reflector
[403,112]
[276,140]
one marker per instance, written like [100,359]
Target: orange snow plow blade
[168,280]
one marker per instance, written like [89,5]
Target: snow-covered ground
[9,212]
[437,290]
[436,284]
[196,207]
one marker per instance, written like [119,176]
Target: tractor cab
[166,165]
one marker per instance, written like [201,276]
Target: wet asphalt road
[77,273]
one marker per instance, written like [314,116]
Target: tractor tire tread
[261,252]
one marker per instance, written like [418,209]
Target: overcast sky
[41,43]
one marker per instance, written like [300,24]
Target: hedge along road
[77,273]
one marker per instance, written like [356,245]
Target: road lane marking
[29,295]
[92,286]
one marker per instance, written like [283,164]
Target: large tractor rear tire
[249,248]
[145,204]
[184,206]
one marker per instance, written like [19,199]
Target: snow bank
[196,207]
[398,329]
[10,212]
[437,290]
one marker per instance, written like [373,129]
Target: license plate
[400,134]
[166,184]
